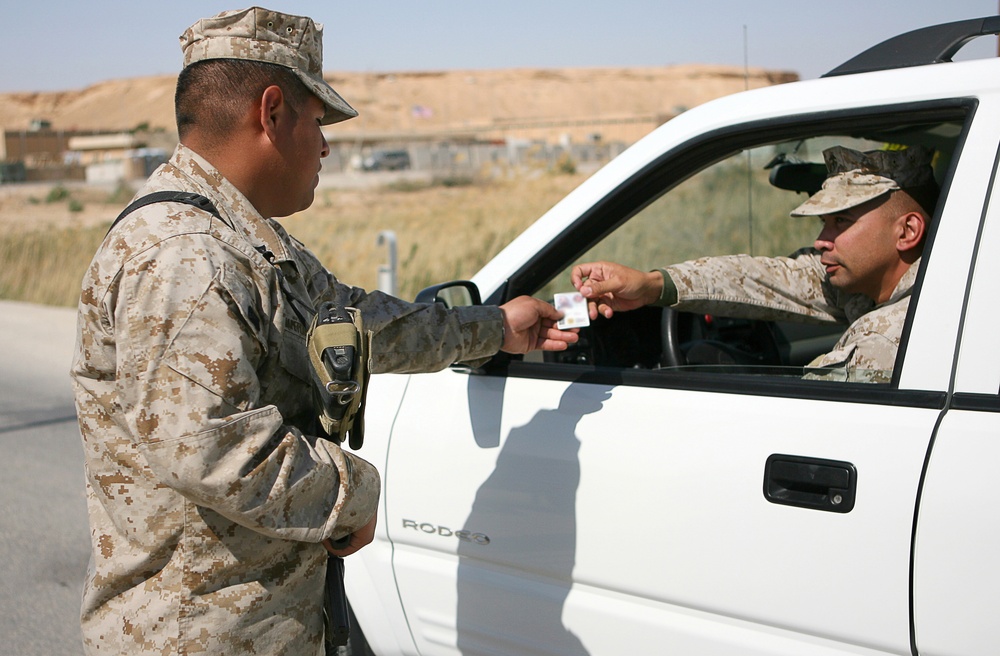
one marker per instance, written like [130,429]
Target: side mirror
[458,293]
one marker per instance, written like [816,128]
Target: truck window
[738,205]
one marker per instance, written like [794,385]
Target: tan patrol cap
[257,34]
[854,177]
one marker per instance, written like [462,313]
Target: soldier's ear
[273,112]
[912,229]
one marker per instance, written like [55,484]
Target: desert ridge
[620,104]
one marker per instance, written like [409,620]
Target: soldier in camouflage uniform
[875,208]
[212,501]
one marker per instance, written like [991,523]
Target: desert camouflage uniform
[793,288]
[208,493]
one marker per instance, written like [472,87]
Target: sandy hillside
[617,103]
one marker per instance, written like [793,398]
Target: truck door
[955,579]
[610,504]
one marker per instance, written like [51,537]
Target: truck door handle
[810,483]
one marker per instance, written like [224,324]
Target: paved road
[44,540]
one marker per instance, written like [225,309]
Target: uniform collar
[905,285]
[230,201]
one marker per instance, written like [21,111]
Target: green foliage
[420,185]
[406,186]
[57,194]
[565,165]
[456,181]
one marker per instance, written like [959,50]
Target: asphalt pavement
[44,539]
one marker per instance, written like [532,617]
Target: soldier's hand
[359,538]
[530,324]
[610,287]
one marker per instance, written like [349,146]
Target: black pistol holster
[339,356]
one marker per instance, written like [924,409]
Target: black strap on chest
[169,196]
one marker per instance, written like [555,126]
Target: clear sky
[49,45]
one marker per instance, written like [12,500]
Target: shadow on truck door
[511,591]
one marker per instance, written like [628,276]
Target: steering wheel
[741,342]
[671,353]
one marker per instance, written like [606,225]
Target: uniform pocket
[223,340]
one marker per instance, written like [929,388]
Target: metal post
[387,271]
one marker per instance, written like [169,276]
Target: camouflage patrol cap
[854,177]
[257,34]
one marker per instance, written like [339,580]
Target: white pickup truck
[673,484]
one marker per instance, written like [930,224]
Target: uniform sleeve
[197,336]
[749,287]
[405,337]
[410,337]
[423,337]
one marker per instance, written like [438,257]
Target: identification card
[574,308]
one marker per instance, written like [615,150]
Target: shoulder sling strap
[339,359]
[186,197]
[337,348]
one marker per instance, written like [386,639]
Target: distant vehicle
[672,483]
[387,160]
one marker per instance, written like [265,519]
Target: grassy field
[443,231]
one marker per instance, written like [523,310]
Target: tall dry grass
[721,210]
[46,266]
[443,232]
[446,232]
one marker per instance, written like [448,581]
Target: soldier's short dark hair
[213,94]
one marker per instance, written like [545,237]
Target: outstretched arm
[609,286]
